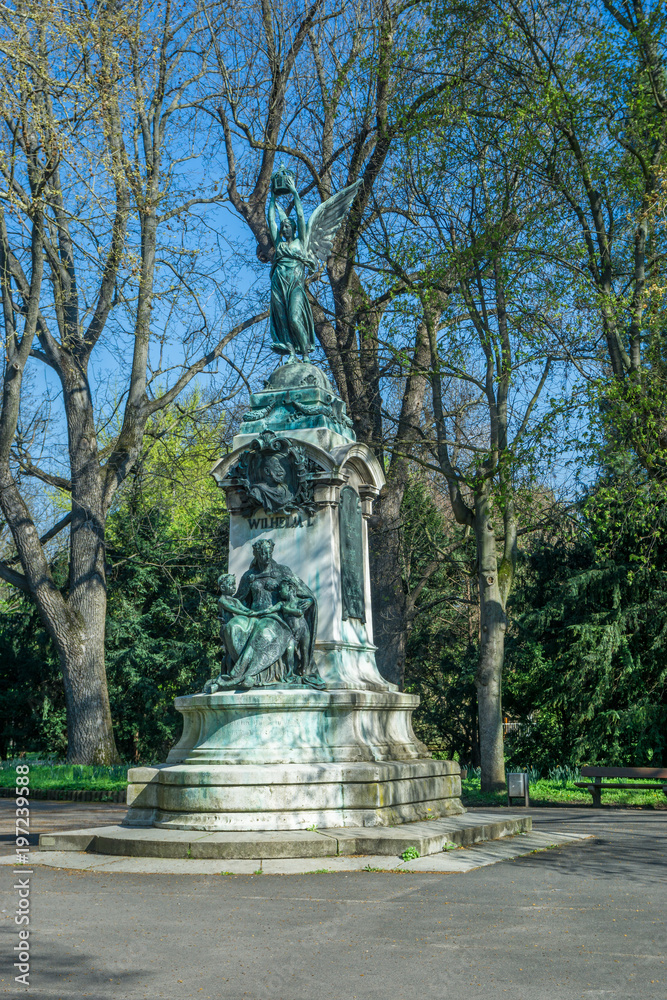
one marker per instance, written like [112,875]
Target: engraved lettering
[275,523]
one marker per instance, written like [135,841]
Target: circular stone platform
[425,838]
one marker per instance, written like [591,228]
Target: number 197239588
[22,808]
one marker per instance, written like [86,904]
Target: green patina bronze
[351,555]
[267,627]
[275,475]
[297,249]
[297,396]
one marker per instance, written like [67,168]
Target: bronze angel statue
[297,247]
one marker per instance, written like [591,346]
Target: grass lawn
[548,792]
[44,776]
[543,792]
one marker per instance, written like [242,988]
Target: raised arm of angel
[298,208]
[271,219]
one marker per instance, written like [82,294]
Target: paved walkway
[46,817]
[584,920]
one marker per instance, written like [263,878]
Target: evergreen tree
[443,625]
[166,544]
[587,663]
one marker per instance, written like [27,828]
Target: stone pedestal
[292,796]
[296,726]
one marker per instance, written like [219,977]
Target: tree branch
[15,579]
[48,535]
[168,397]
[29,469]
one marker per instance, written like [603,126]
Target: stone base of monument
[293,759]
[426,838]
[296,725]
[252,797]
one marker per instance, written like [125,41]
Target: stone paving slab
[300,866]
[78,861]
[430,837]
[490,853]
[459,860]
[425,837]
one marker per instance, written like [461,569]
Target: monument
[299,729]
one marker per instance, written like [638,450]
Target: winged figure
[298,247]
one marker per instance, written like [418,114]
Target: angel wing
[325,220]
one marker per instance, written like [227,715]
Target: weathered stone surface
[146,843]
[217,774]
[295,797]
[296,844]
[291,725]
[429,839]
[142,795]
[70,840]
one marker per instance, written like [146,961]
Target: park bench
[645,777]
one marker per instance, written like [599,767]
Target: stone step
[427,838]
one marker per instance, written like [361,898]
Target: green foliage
[442,647]
[410,854]
[161,628]
[550,791]
[587,663]
[160,643]
[32,703]
[166,544]
[69,776]
[632,414]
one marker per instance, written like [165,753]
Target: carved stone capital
[326,489]
[367,494]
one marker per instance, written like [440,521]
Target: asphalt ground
[585,920]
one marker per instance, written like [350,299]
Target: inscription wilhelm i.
[288,521]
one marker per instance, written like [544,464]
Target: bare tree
[592,78]
[96,262]
[337,90]
[491,353]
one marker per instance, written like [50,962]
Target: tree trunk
[80,643]
[76,627]
[492,653]
[389,599]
